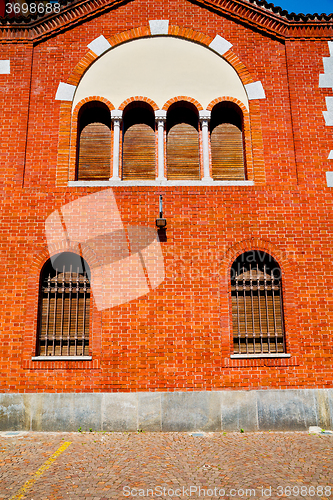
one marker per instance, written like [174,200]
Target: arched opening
[94,142]
[227,145]
[182,142]
[138,142]
[64,307]
[257,307]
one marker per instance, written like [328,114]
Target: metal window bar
[65,302]
[238,320]
[245,317]
[260,310]
[84,310]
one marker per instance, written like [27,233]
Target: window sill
[61,358]
[158,183]
[260,356]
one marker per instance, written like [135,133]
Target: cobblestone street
[99,465]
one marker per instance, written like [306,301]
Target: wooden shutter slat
[183,152]
[94,152]
[139,152]
[227,152]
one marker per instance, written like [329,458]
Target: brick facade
[178,337]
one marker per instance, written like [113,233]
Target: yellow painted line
[21,492]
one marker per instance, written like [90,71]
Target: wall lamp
[160,222]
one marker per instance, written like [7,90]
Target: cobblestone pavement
[228,466]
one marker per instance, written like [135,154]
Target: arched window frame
[247,130]
[94,113]
[133,111]
[64,320]
[228,113]
[191,114]
[74,128]
[251,286]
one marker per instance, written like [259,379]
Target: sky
[305,6]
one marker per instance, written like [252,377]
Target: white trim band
[157,182]
[259,356]
[61,358]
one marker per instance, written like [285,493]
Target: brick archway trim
[32,306]
[174,30]
[186,98]
[137,99]
[73,130]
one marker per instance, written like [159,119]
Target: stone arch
[65,170]
[138,98]
[185,98]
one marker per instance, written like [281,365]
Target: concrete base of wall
[169,411]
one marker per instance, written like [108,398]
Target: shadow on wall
[119,258]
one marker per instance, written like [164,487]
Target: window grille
[257,306]
[64,312]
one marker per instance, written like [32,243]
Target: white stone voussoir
[99,45]
[220,45]
[65,92]
[255,90]
[5,67]
[159,27]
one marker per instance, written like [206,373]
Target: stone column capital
[204,115]
[116,115]
[160,115]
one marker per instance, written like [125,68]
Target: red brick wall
[178,337]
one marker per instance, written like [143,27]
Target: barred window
[257,306]
[64,307]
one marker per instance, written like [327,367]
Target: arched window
[257,307]
[227,142]
[138,142]
[64,307]
[182,142]
[94,142]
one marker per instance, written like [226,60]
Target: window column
[204,117]
[116,117]
[160,117]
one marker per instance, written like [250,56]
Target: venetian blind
[183,152]
[94,152]
[139,152]
[227,153]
